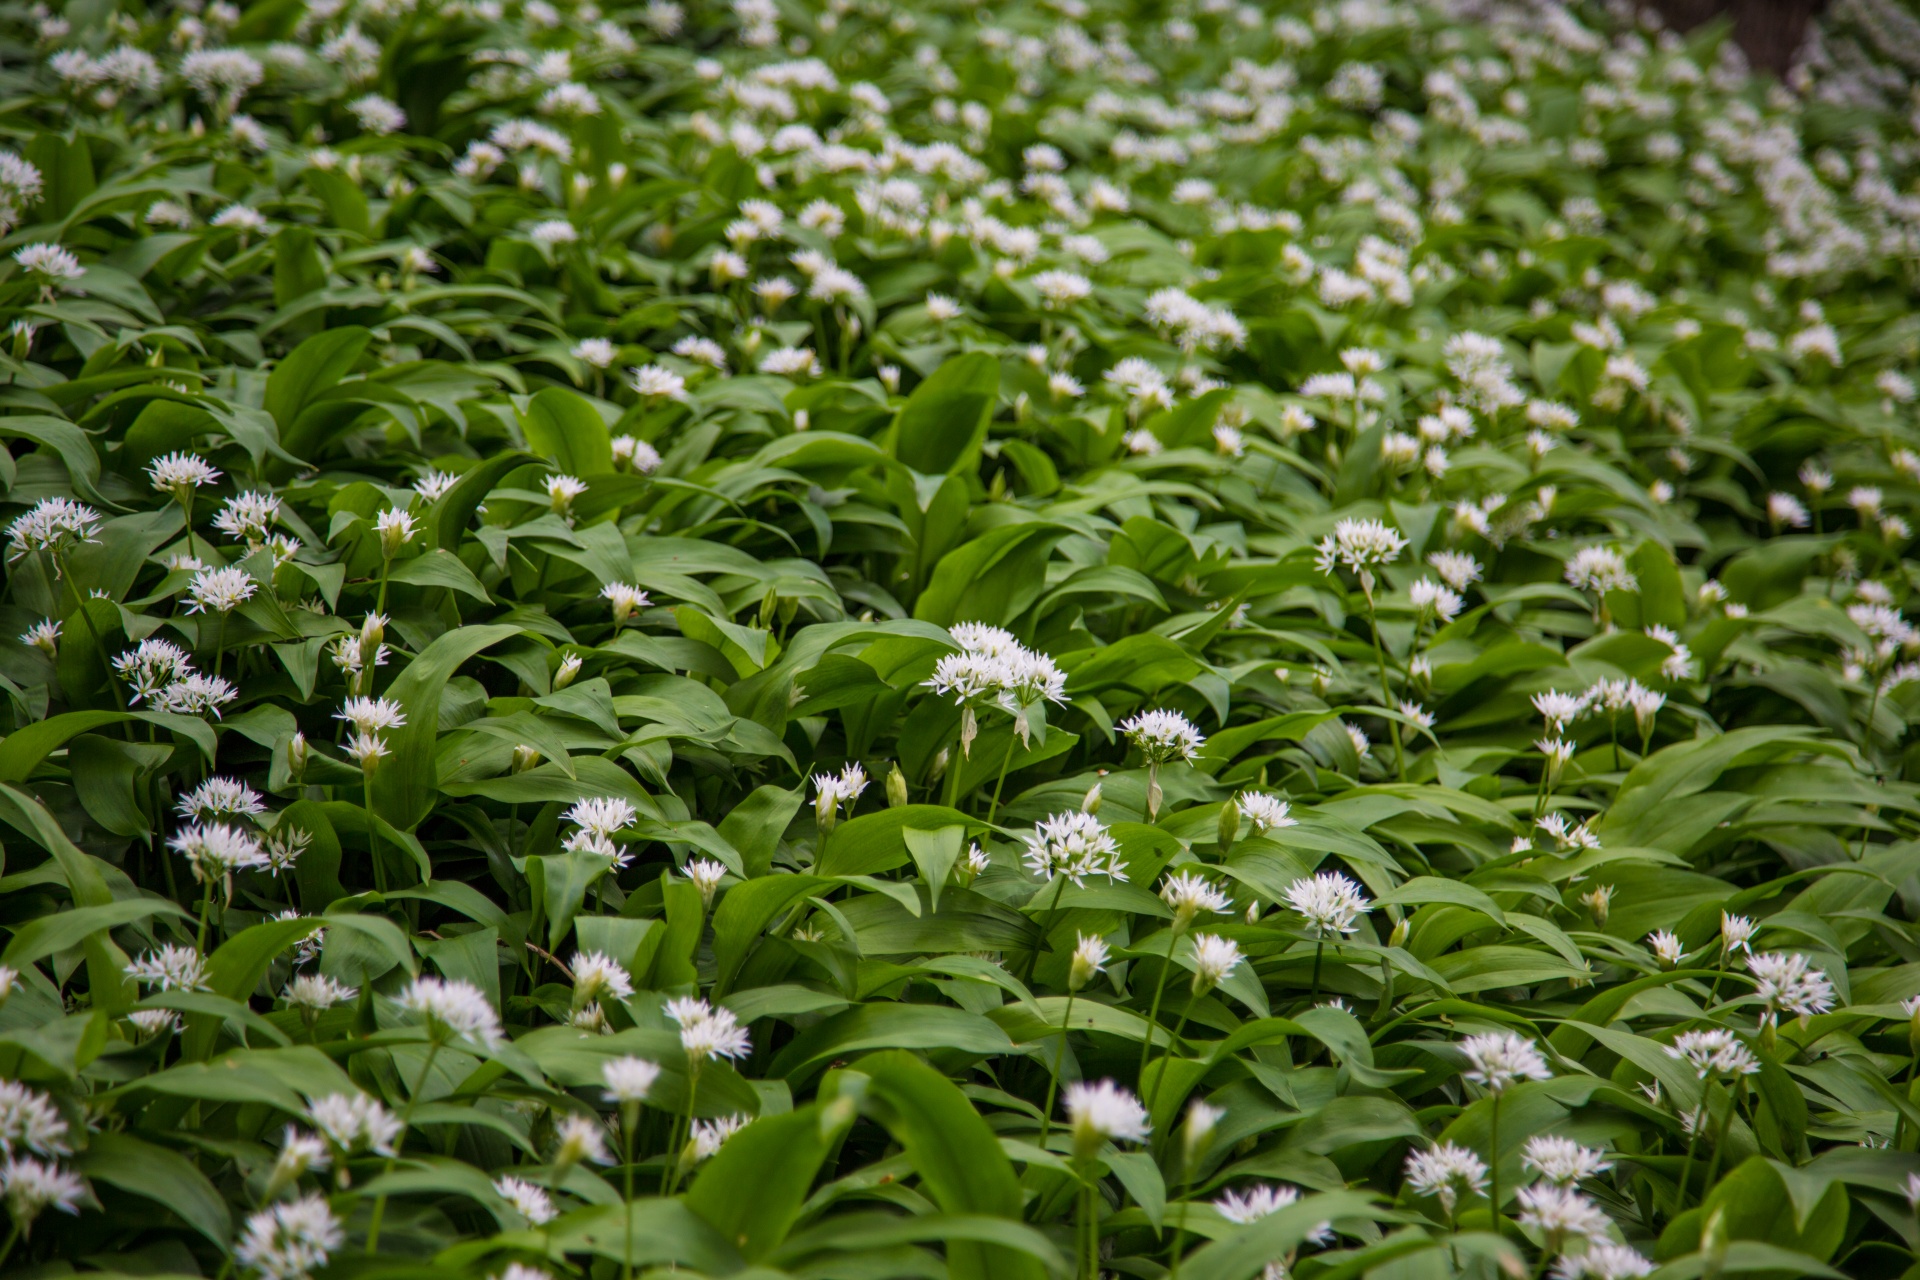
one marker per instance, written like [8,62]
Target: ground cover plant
[869,640]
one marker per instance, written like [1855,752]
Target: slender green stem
[1033,956]
[373,836]
[1059,1064]
[1686,1163]
[1159,990]
[206,908]
[399,1143]
[1180,1230]
[993,806]
[1386,690]
[1720,1139]
[1319,948]
[1089,1234]
[1166,1062]
[13,1238]
[954,767]
[629,1119]
[61,575]
[1493,1165]
[674,1151]
[220,645]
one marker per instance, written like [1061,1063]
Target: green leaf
[560,882]
[1247,1251]
[166,1177]
[876,842]
[86,880]
[993,578]
[315,366]
[22,750]
[110,777]
[564,428]
[744,914]
[46,935]
[447,519]
[753,1189]
[755,825]
[643,1233]
[960,1163]
[235,969]
[403,789]
[890,1026]
[68,442]
[941,425]
[440,568]
[935,853]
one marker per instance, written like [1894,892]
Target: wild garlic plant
[492,488]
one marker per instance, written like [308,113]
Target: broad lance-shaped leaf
[752,1191]
[960,1164]
[87,882]
[236,968]
[160,1175]
[314,366]
[403,789]
[46,935]
[941,424]
[565,428]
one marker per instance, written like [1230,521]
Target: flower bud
[1089,958]
[298,753]
[1091,804]
[396,530]
[826,810]
[896,787]
[1229,825]
[1401,928]
[525,758]
[569,668]
[372,632]
[1196,1135]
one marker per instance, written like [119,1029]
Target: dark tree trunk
[1770,32]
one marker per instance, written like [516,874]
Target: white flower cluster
[290,1241]
[1074,845]
[1787,982]
[994,669]
[596,821]
[1330,903]
[708,1032]
[1163,736]
[1498,1060]
[452,1009]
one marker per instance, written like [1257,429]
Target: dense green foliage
[908,640]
